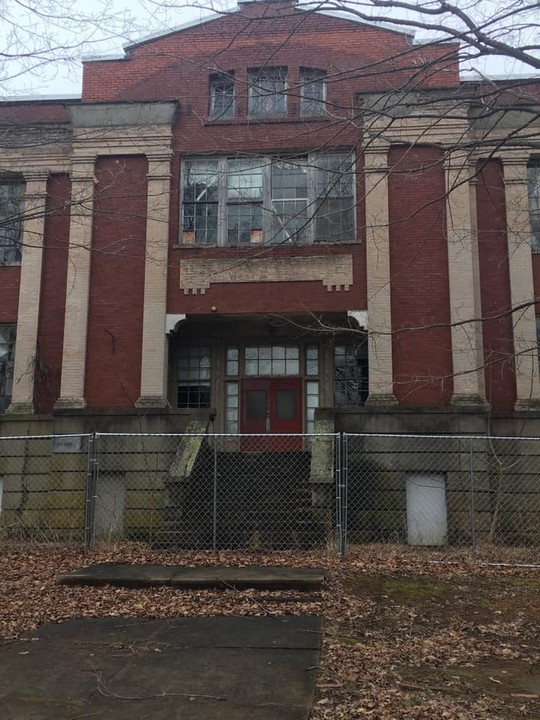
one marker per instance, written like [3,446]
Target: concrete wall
[503,472]
[45,478]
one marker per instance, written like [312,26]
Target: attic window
[267,92]
[222,95]
[312,91]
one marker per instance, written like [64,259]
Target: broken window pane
[200,206]
[289,201]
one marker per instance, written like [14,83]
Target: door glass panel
[256,404]
[286,404]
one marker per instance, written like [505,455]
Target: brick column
[521,281]
[381,380]
[78,285]
[464,283]
[29,293]
[154,344]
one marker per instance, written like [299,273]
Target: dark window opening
[194,367]
[7,357]
[350,377]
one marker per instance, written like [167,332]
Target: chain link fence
[43,485]
[216,491]
[274,492]
[482,493]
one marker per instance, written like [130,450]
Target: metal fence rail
[266,492]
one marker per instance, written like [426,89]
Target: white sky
[53,35]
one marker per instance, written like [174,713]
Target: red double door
[271,406]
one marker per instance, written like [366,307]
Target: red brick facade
[358,59]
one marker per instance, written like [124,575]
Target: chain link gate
[199,491]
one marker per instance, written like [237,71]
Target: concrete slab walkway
[188,578]
[219,668]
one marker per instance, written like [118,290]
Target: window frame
[16,225]
[7,367]
[266,162]
[533,195]
[192,384]
[216,79]
[256,75]
[361,373]
[319,76]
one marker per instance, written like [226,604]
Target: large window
[312,91]
[194,366]
[222,95]
[11,203]
[249,201]
[244,202]
[350,377]
[200,207]
[7,355]
[534,204]
[267,96]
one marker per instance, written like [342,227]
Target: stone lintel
[335,272]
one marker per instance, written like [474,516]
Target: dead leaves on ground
[406,638]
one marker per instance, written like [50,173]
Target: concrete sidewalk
[188,578]
[219,668]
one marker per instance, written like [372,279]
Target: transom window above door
[268,360]
[262,200]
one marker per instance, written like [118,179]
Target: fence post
[343,445]
[91,490]
[215,497]
[471,492]
[337,485]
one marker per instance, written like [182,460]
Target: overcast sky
[53,35]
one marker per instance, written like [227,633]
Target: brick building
[265,213]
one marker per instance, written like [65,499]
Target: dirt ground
[409,635]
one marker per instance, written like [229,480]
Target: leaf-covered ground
[407,636]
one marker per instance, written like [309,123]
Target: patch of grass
[532,584]
[406,589]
